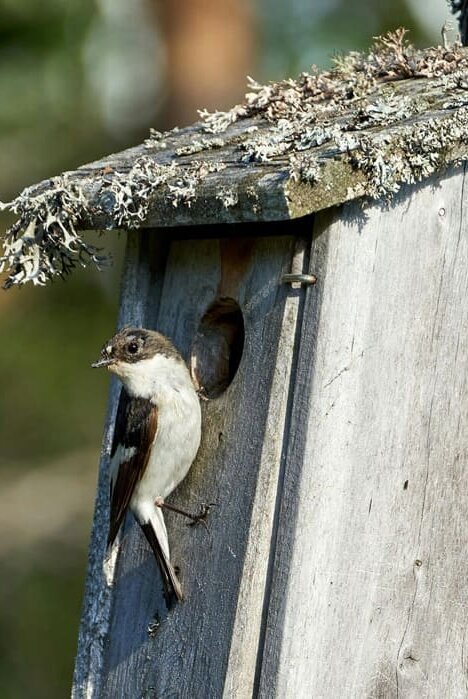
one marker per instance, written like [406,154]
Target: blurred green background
[80,79]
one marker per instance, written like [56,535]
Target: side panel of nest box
[370,584]
[223,304]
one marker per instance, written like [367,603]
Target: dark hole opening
[217,348]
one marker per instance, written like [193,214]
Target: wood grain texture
[143,270]
[370,585]
[335,560]
[388,125]
[211,639]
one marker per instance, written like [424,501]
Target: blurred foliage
[43,89]
[38,616]
[52,403]
[298,34]
[51,117]
[79,79]
[54,334]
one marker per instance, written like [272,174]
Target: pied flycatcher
[156,436]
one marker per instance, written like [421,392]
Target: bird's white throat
[157,378]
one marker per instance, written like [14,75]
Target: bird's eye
[132,347]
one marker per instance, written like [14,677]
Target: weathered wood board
[378,120]
[142,278]
[390,130]
[369,594]
[335,561]
[212,637]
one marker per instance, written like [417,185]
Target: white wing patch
[122,454]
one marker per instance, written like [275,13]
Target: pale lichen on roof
[374,121]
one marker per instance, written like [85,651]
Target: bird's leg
[200,518]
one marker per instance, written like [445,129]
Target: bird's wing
[135,429]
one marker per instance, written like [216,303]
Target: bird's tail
[155,532]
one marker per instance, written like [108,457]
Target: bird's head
[131,348]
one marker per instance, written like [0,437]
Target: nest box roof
[374,121]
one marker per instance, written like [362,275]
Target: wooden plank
[211,639]
[262,191]
[375,122]
[141,280]
[297,152]
[370,585]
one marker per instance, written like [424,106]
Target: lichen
[376,120]
[228,196]
[411,156]
[304,167]
[332,107]
[44,243]
[264,148]
[184,189]
[199,145]
[126,200]
[217,122]
[353,76]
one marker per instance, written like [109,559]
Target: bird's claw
[202,516]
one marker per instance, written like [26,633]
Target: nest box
[335,425]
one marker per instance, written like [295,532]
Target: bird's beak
[105,361]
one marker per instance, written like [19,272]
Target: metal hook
[308,279]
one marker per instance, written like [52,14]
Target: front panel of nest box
[225,308]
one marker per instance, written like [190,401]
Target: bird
[156,438]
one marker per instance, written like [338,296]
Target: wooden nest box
[336,421]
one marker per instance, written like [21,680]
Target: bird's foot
[200,518]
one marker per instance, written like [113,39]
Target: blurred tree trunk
[210,48]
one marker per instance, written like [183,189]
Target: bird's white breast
[166,382]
